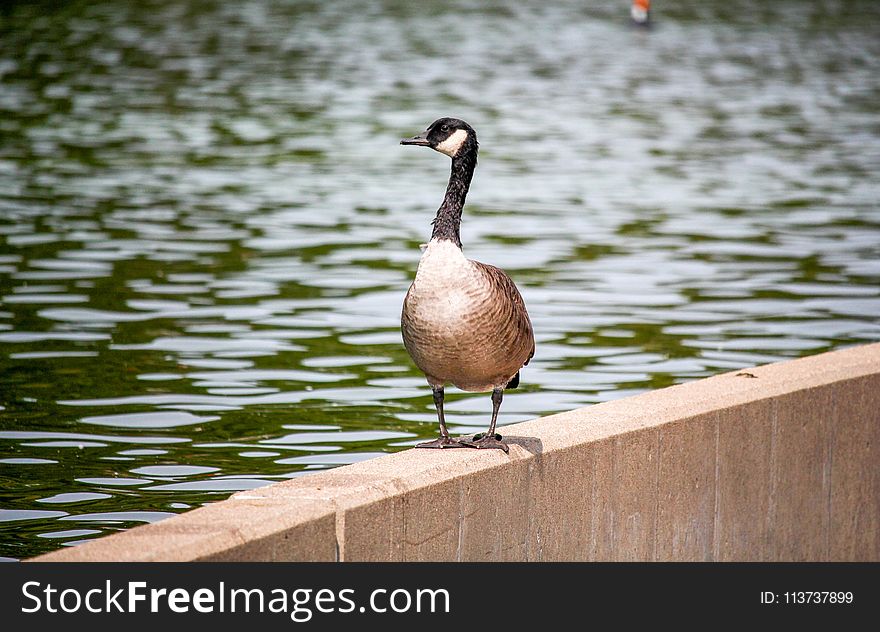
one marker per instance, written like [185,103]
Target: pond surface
[207,225]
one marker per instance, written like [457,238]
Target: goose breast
[465,322]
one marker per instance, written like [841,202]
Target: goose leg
[445,441]
[490,439]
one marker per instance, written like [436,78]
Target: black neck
[448,219]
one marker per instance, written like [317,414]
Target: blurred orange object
[640,10]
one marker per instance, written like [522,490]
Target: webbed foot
[442,442]
[485,441]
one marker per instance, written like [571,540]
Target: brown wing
[520,333]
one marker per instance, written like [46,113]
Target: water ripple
[204,248]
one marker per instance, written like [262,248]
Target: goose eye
[444,128]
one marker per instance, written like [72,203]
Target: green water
[207,226]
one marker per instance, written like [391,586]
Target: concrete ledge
[779,462]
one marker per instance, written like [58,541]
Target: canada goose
[463,322]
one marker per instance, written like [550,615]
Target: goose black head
[450,136]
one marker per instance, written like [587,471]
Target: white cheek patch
[451,145]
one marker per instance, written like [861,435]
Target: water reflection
[207,227]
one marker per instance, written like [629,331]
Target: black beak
[421,140]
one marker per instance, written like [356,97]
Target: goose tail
[514,381]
